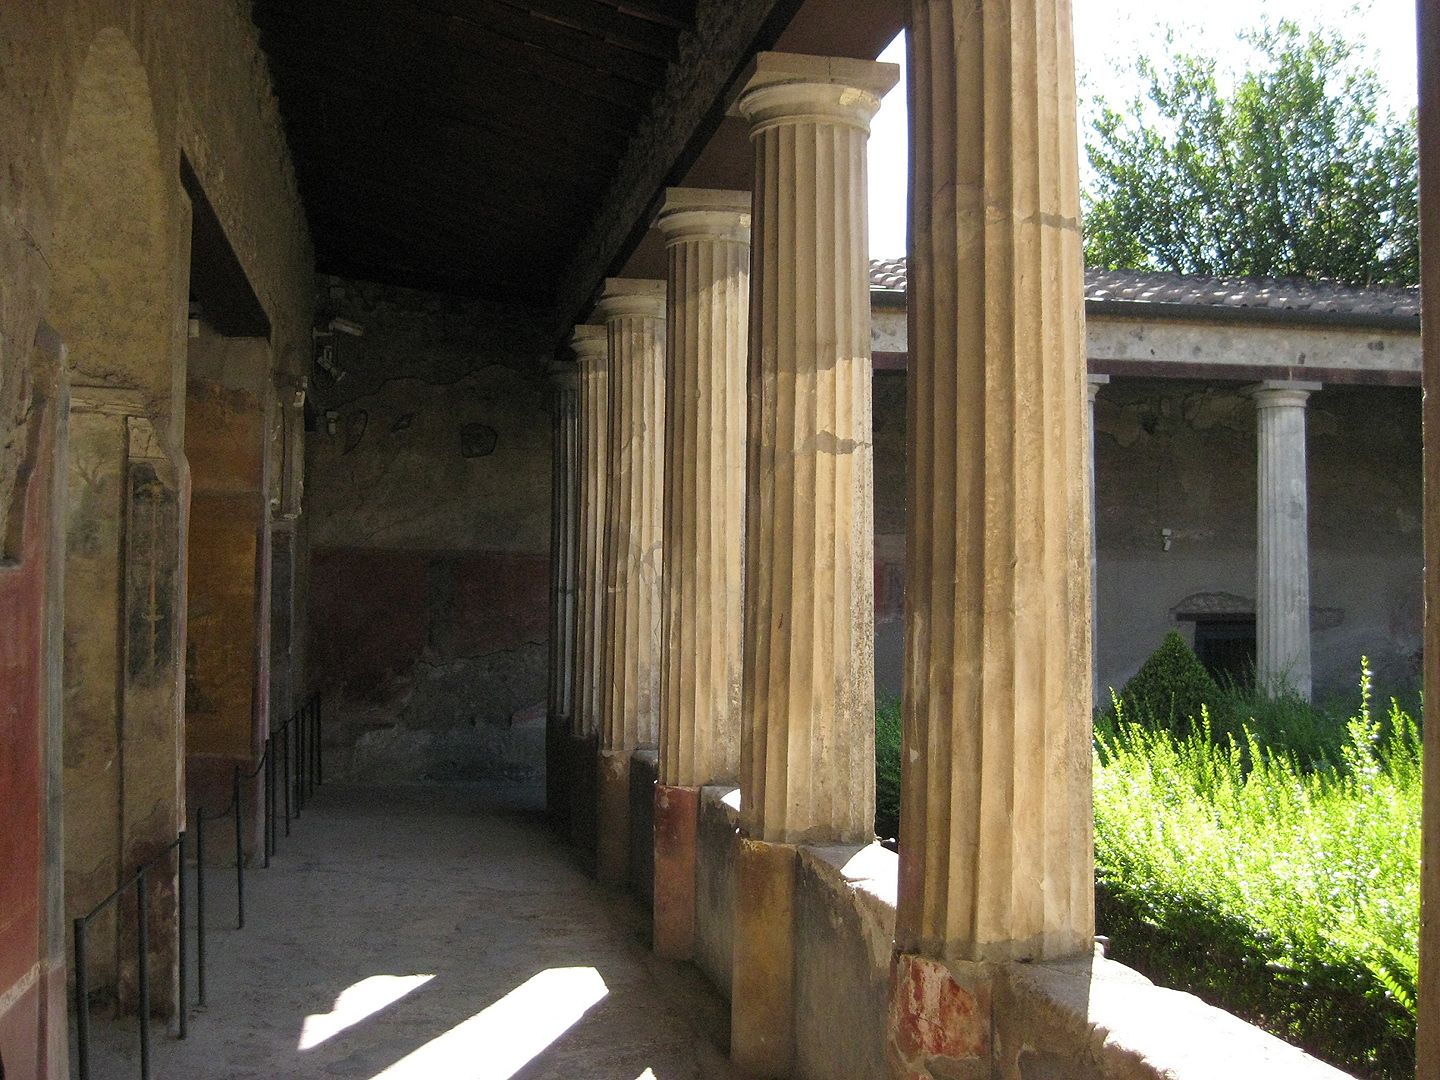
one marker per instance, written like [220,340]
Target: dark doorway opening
[1226,646]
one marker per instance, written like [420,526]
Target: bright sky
[1109,34]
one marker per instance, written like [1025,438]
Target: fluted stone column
[564,567]
[1427,1036]
[707,235]
[1282,565]
[1098,693]
[807,757]
[996,850]
[592,352]
[634,313]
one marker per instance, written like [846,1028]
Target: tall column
[996,854]
[564,536]
[1427,1037]
[1099,693]
[591,345]
[707,235]
[807,756]
[634,313]
[1282,564]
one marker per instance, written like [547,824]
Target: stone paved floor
[538,972]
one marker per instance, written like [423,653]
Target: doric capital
[703,214]
[1282,393]
[1093,383]
[591,345]
[785,88]
[632,296]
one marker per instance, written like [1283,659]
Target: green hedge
[1285,894]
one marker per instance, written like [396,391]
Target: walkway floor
[534,970]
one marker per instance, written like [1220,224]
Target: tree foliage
[1294,173]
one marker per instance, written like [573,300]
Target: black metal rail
[295,743]
[140,880]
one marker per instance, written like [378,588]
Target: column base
[612,847]
[677,811]
[762,999]
[580,802]
[939,1026]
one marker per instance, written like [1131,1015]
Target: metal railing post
[286,758]
[200,901]
[142,934]
[82,1000]
[184,951]
[319,740]
[265,802]
[239,856]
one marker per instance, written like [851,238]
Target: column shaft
[564,536]
[708,306]
[807,754]
[708,298]
[996,855]
[807,765]
[1428,996]
[1282,566]
[592,348]
[634,313]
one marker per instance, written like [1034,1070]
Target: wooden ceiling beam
[553,37]
[416,43]
[396,128]
[604,21]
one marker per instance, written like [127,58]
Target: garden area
[1261,853]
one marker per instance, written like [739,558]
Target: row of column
[738,635]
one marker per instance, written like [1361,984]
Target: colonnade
[738,636]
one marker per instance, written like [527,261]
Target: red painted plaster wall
[23,974]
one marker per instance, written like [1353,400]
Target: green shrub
[1170,689]
[887,766]
[1285,893]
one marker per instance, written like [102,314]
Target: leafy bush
[1170,689]
[887,766]
[1285,893]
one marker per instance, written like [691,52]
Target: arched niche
[110,284]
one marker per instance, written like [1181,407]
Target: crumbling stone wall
[428,496]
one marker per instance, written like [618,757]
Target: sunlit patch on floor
[355,1003]
[497,1043]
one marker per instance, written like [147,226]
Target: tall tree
[1296,172]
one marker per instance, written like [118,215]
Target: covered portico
[660,207]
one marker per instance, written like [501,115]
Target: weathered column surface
[1282,564]
[1099,694]
[634,313]
[592,352]
[996,856]
[1427,1037]
[807,757]
[707,235]
[564,571]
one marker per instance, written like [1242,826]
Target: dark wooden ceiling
[462,145]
